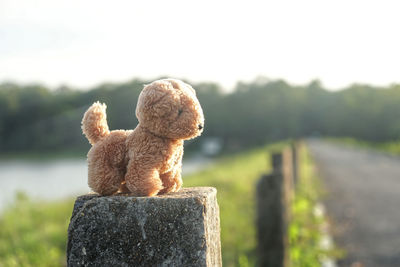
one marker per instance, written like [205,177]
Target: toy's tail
[94,123]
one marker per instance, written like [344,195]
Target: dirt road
[363,202]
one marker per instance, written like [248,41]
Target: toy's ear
[181,85]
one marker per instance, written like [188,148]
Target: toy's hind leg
[106,161]
[103,178]
[142,181]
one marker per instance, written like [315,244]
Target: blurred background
[264,72]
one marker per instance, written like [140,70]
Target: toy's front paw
[148,189]
[145,183]
[172,182]
[168,189]
[150,192]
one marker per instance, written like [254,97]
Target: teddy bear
[145,161]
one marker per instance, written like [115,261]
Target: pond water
[54,179]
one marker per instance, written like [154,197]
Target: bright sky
[84,43]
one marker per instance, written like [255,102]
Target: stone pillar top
[174,229]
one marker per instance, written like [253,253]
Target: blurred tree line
[35,118]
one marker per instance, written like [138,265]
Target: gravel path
[363,202]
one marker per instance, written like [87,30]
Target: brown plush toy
[145,161]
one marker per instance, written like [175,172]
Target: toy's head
[169,108]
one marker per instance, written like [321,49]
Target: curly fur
[145,161]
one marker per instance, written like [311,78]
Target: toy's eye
[180,112]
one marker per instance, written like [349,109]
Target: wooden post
[270,221]
[274,196]
[295,162]
[283,163]
[175,229]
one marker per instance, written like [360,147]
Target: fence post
[295,162]
[283,163]
[270,224]
[274,196]
[175,229]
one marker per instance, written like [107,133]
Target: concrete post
[176,229]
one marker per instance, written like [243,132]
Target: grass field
[34,233]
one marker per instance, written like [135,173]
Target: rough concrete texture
[175,229]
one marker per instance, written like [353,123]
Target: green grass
[34,233]
[392,147]
[305,230]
